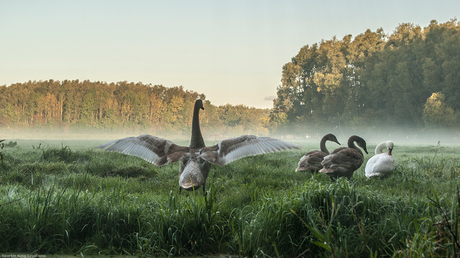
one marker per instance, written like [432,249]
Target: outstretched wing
[233,149]
[153,149]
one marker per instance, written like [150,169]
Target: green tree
[370,80]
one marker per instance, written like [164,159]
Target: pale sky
[232,51]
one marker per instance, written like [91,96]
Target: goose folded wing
[233,149]
[153,149]
[338,150]
[347,158]
[311,160]
[315,156]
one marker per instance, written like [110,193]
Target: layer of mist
[399,136]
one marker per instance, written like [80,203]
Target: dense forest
[410,78]
[122,106]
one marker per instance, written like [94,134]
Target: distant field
[67,197]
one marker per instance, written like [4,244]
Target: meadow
[71,198]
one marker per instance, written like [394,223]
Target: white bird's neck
[379,149]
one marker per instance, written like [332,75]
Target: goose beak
[389,151]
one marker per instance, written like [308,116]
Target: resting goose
[311,161]
[342,162]
[195,160]
[381,164]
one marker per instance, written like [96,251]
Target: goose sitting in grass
[195,160]
[342,162]
[311,161]
[382,164]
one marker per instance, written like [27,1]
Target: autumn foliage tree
[437,114]
[119,106]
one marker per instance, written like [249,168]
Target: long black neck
[351,143]
[322,145]
[197,141]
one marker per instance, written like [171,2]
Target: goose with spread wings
[195,160]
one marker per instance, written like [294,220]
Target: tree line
[409,78]
[111,107]
[374,80]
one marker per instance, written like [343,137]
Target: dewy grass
[62,201]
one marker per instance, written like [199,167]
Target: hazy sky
[232,51]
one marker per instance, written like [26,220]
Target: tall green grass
[55,200]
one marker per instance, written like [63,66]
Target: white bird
[195,160]
[382,164]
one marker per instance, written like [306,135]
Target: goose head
[390,147]
[359,141]
[327,137]
[331,137]
[199,104]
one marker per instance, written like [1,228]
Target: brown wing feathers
[233,149]
[150,148]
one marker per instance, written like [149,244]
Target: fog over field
[56,138]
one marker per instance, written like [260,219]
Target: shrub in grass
[32,175]
[64,154]
[130,172]
[10,144]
